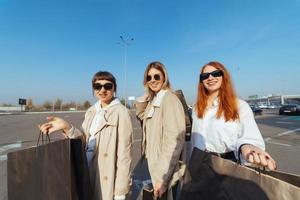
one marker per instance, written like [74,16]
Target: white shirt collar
[159,97]
[112,103]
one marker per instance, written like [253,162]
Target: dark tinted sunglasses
[156,77]
[106,86]
[216,73]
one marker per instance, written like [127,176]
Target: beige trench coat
[163,139]
[110,168]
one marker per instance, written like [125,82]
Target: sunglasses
[155,77]
[106,86]
[216,73]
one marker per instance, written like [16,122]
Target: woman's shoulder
[170,96]
[242,103]
[90,109]
[194,113]
[243,107]
[120,108]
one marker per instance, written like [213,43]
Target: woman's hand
[54,124]
[257,156]
[159,189]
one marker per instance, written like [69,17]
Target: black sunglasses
[216,73]
[106,86]
[156,77]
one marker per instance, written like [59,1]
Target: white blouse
[216,135]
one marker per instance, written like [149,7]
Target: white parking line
[3,157]
[281,144]
[137,140]
[279,122]
[4,148]
[268,139]
[288,132]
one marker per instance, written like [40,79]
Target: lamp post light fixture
[125,43]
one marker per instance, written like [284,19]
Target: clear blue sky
[51,48]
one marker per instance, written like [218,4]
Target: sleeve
[172,139]
[74,133]
[140,106]
[78,133]
[250,133]
[124,154]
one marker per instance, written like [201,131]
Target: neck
[106,103]
[212,96]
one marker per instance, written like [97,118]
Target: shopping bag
[211,177]
[148,191]
[57,170]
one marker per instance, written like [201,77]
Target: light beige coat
[110,167]
[163,138]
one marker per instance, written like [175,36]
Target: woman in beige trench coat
[107,132]
[163,120]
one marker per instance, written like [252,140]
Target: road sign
[22,101]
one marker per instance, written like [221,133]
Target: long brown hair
[227,97]
[159,66]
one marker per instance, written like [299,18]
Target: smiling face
[104,91]
[155,80]
[212,84]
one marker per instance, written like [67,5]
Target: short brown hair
[104,75]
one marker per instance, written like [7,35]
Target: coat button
[105,155]
[105,178]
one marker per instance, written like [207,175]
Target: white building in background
[272,101]
[11,108]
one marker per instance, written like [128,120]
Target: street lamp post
[125,43]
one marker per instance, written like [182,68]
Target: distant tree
[86,105]
[29,106]
[58,104]
[70,106]
[47,105]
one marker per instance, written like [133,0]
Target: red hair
[227,98]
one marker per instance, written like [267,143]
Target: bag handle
[42,134]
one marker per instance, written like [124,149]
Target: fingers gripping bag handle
[41,135]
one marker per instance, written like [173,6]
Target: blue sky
[50,49]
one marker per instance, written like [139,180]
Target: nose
[102,89]
[211,76]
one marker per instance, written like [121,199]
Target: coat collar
[106,112]
[156,102]
[98,108]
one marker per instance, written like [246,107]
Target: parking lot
[281,133]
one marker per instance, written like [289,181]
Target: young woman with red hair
[224,124]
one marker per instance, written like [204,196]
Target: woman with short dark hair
[107,133]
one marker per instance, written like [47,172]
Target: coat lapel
[106,120]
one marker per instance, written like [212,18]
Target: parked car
[256,110]
[273,106]
[262,105]
[290,109]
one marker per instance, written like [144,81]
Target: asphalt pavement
[281,133]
